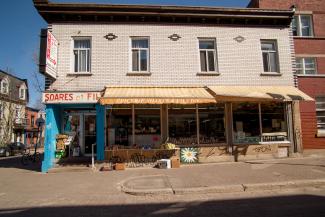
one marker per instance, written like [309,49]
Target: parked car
[16,147]
[4,151]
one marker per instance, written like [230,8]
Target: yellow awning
[257,93]
[155,95]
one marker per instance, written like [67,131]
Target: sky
[20,26]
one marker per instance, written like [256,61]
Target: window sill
[311,75]
[80,74]
[320,134]
[208,74]
[138,73]
[276,142]
[271,74]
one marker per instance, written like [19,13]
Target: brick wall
[171,62]
[313,87]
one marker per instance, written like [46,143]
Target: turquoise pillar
[100,131]
[52,128]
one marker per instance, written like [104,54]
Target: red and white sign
[51,55]
[71,97]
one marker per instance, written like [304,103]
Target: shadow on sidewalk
[15,162]
[287,206]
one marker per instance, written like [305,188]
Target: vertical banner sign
[51,55]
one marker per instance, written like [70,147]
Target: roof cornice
[85,12]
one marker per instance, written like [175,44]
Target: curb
[226,188]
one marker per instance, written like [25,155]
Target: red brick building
[308,29]
[31,127]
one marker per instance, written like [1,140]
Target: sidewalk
[228,177]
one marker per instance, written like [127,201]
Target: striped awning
[257,93]
[155,95]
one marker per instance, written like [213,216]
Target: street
[81,192]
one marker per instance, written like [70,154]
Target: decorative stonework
[110,36]
[239,39]
[174,37]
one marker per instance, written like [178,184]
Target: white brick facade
[171,62]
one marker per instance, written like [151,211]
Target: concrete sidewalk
[229,177]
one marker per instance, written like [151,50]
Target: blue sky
[20,27]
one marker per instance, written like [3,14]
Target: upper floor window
[320,113]
[5,86]
[306,66]
[140,54]
[302,25]
[81,52]
[270,55]
[208,59]
[32,120]
[22,93]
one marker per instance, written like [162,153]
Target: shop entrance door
[73,126]
[89,133]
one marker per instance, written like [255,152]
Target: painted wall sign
[71,97]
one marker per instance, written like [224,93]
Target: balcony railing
[22,122]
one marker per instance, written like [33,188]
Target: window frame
[139,71]
[320,131]
[215,53]
[276,51]
[88,50]
[299,25]
[303,64]
[4,81]
[22,97]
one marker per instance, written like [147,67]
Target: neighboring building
[31,129]
[217,80]
[13,99]
[309,39]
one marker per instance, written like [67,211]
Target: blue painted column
[100,131]
[52,128]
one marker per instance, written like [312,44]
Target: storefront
[214,123]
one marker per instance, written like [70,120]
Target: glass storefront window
[182,124]
[246,122]
[119,125]
[274,126]
[147,126]
[212,123]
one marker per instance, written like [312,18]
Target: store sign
[51,54]
[71,97]
[48,54]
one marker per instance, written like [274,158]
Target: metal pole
[260,120]
[197,124]
[133,125]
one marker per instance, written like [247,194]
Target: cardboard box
[176,163]
[119,166]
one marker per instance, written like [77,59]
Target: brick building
[309,40]
[216,82]
[31,130]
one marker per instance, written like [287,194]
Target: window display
[246,122]
[147,125]
[274,126]
[119,125]
[212,123]
[182,124]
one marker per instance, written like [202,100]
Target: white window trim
[304,65]
[215,53]
[299,26]
[278,72]
[5,80]
[24,93]
[320,132]
[72,63]
[139,72]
